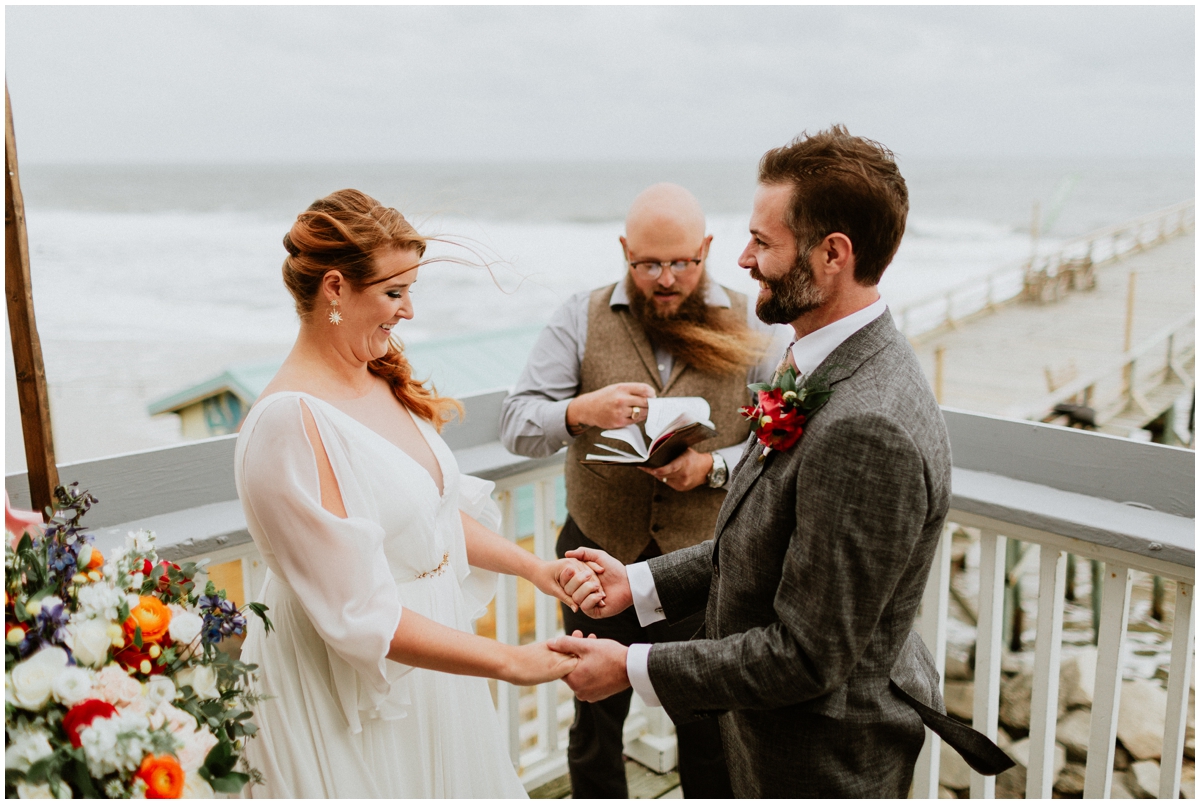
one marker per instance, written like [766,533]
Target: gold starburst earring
[335,317]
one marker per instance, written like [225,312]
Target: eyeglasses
[653,270]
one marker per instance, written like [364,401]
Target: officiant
[665,330]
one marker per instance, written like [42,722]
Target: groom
[822,549]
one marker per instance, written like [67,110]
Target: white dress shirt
[808,353]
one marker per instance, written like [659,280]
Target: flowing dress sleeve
[335,566]
[478,585]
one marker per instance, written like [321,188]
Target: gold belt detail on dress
[438,570]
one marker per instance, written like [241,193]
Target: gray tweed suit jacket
[811,586]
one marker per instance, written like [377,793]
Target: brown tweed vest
[622,508]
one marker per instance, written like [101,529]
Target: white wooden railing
[947,307]
[1130,505]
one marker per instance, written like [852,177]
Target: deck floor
[997,360]
[643,783]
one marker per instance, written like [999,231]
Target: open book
[673,424]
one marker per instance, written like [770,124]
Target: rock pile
[1140,726]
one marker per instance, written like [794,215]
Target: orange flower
[162,775]
[152,615]
[95,562]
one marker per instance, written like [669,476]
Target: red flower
[164,582]
[138,660]
[779,425]
[82,714]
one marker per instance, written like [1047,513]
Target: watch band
[719,474]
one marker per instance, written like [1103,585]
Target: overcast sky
[334,84]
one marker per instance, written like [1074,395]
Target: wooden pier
[1125,348]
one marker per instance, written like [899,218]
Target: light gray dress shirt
[533,419]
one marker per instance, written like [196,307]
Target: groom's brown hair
[841,183]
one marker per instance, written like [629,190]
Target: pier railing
[1130,505]
[1125,381]
[1051,270]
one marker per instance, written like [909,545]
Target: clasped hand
[600,671]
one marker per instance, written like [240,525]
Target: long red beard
[713,340]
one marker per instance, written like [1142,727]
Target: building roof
[458,366]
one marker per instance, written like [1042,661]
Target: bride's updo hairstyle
[345,231]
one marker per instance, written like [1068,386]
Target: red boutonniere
[784,409]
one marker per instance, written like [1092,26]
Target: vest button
[655,528]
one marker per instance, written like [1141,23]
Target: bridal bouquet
[114,684]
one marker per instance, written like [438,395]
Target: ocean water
[148,279]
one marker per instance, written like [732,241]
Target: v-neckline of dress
[441,492]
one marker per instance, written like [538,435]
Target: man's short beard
[792,295]
[711,339]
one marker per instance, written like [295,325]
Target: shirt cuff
[637,666]
[645,594]
[554,423]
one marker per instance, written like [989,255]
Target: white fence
[1130,505]
[947,307]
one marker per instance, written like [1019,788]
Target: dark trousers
[594,751]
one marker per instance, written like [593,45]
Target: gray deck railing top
[1109,491]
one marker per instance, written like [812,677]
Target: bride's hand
[570,580]
[536,664]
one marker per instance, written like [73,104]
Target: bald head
[665,210]
[666,225]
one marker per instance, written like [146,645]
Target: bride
[379,553]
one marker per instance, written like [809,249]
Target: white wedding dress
[342,721]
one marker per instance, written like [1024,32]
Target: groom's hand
[617,596]
[601,669]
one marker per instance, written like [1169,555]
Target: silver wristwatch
[719,472]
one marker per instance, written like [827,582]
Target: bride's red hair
[345,231]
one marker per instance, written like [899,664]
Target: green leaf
[759,386]
[76,774]
[232,782]
[220,760]
[137,637]
[788,381]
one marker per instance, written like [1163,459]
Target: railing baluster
[988,647]
[1039,782]
[1182,643]
[932,628]
[1110,654]
[546,616]
[508,631]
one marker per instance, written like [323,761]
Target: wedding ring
[636,412]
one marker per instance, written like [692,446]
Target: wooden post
[939,372]
[1129,310]
[27,348]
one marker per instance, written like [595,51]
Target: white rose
[201,678]
[184,628]
[28,746]
[33,678]
[196,746]
[25,790]
[89,641]
[195,786]
[115,686]
[159,690]
[72,686]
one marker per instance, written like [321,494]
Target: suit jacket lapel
[841,363]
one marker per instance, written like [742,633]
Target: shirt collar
[811,350]
[714,296]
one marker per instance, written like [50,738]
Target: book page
[672,412]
